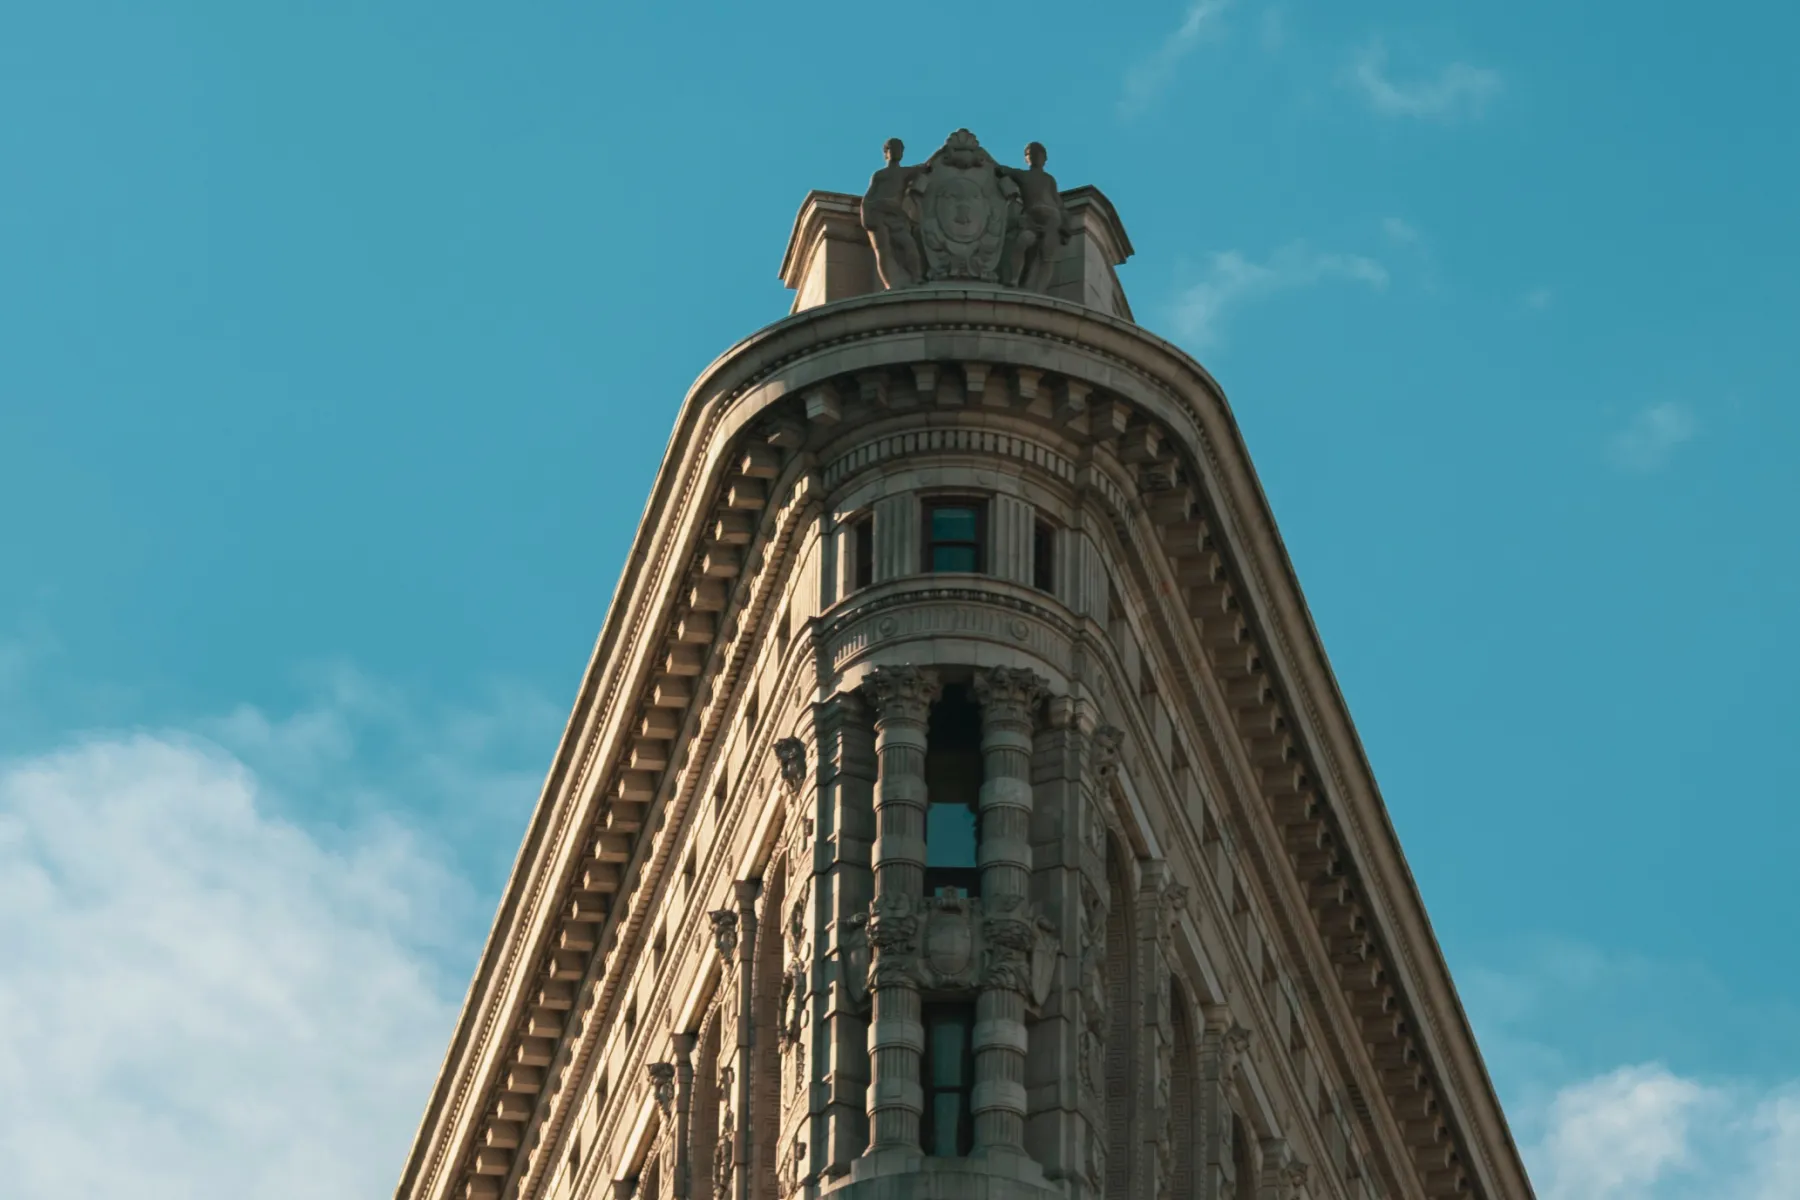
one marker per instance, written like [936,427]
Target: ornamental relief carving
[961,215]
[954,943]
[993,616]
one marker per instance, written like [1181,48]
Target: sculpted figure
[1042,223]
[890,225]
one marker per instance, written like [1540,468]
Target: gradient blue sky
[339,342]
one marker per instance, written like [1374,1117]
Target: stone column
[744,894]
[662,1090]
[1009,700]
[902,698]
[684,1117]
[846,771]
[1222,1049]
[1159,903]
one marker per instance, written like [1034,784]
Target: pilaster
[845,886]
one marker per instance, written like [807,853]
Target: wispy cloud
[1458,89]
[1400,232]
[1651,437]
[1538,299]
[1145,80]
[1233,280]
[206,994]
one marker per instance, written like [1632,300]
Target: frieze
[947,612]
[947,440]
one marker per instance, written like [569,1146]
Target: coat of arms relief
[953,944]
[960,215]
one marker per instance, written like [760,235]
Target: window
[1043,557]
[953,795]
[954,534]
[862,553]
[949,1077]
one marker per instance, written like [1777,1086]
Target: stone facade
[959,802]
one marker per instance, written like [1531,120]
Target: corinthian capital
[903,693]
[662,1085]
[725,932]
[1104,753]
[1009,693]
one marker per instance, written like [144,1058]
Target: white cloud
[1400,232]
[1146,79]
[1651,437]
[1538,299]
[203,997]
[1233,280]
[1644,1133]
[1457,90]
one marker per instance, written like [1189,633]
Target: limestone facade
[959,803]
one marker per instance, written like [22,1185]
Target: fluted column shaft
[902,698]
[1009,700]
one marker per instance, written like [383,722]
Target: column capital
[1009,693]
[662,1085]
[725,932]
[790,752]
[1104,746]
[903,693]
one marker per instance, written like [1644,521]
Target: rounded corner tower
[959,803]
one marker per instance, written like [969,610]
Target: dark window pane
[948,1080]
[949,835]
[953,525]
[953,558]
[947,1046]
[1043,561]
[863,547]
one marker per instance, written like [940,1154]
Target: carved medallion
[962,211]
[949,944]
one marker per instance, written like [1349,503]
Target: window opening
[955,533]
[862,553]
[1043,557]
[953,795]
[949,1078]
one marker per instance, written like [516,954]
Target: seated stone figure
[1042,225]
[890,224]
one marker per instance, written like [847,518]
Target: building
[959,802]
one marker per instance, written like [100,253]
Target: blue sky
[339,341]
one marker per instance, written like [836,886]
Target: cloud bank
[204,997]
[1644,1133]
